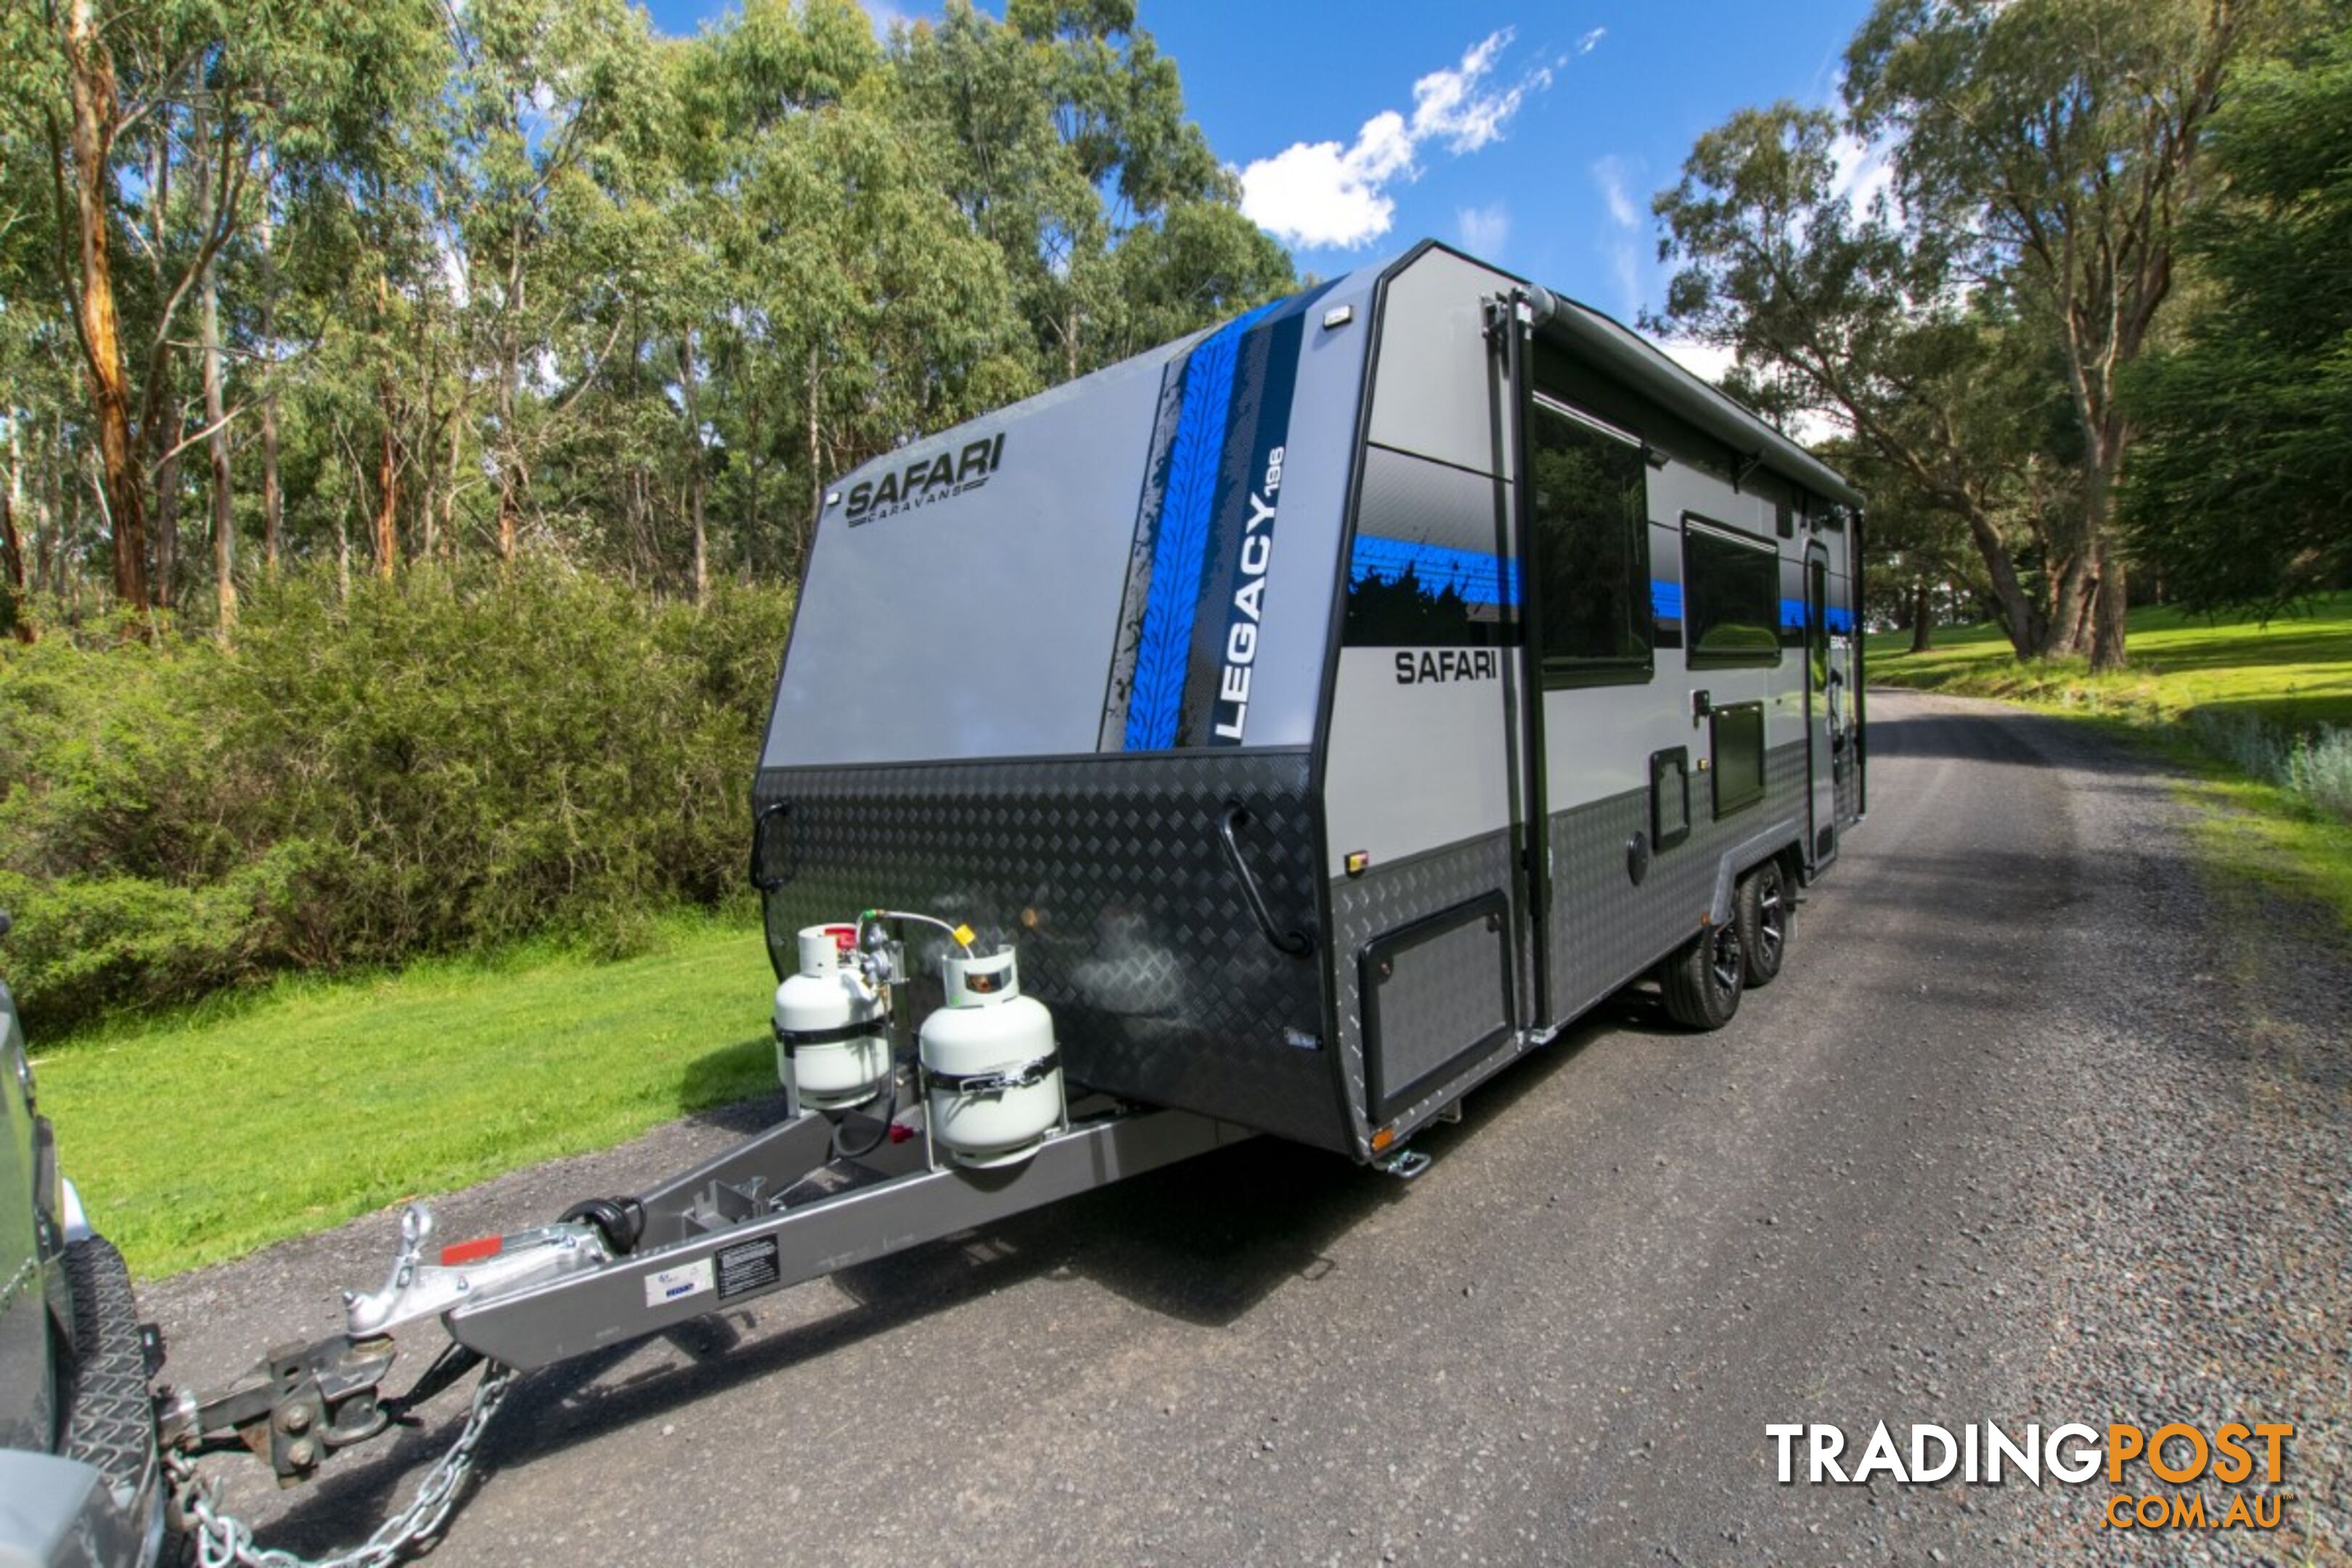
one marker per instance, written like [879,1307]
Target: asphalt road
[2034,1128]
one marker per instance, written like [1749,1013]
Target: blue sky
[1530,133]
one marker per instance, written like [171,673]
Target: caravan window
[1588,511]
[1731,597]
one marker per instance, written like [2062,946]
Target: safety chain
[224,1540]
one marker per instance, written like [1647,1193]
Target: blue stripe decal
[1179,549]
[1841,620]
[1792,615]
[1478,576]
[1665,600]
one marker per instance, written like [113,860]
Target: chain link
[224,1540]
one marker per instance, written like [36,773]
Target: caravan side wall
[1550,756]
[1040,658]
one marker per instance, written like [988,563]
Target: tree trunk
[759,468]
[161,417]
[695,467]
[89,70]
[2071,596]
[384,536]
[2105,633]
[224,512]
[816,473]
[509,374]
[273,495]
[1923,618]
[14,608]
[456,451]
[167,513]
[2107,616]
[2019,616]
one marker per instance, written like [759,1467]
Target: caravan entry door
[1822,740]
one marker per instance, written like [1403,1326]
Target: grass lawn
[204,1137]
[2293,674]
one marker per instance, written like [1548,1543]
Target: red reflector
[459,1253]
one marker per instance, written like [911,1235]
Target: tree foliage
[2041,157]
[2236,492]
[376,283]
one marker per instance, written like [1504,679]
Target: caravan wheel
[1703,980]
[1766,913]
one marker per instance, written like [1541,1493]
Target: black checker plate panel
[1385,899]
[1162,989]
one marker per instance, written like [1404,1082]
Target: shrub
[2314,767]
[441,762]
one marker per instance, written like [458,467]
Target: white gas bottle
[990,1058]
[832,1029]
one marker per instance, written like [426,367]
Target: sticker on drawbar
[666,1285]
[748,1268]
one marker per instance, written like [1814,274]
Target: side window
[1589,510]
[1731,597]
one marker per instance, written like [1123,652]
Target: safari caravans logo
[926,481]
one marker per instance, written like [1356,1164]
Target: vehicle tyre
[1767,919]
[110,1417]
[1703,981]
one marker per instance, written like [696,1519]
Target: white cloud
[1864,172]
[1707,361]
[1484,230]
[1322,194]
[1626,267]
[1609,173]
[1591,40]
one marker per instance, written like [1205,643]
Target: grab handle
[768,815]
[1296,944]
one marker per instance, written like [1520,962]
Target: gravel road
[2036,1127]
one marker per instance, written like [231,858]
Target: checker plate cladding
[1605,930]
[1162,988]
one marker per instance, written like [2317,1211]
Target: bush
[441,763]
[2314,767]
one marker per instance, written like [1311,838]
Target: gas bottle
[832,1029]
[993,1068]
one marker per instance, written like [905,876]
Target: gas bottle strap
[1019,1075]
[794,1039]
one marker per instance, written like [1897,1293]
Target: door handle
[761,824]
[1294,944]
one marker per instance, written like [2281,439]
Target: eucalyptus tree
[2237,491]
[1850,317]
[2057,143]
[1067,143]
[158,117]
[2042,152]
[550,98]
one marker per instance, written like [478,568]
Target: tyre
[1703,980]
[1767,918]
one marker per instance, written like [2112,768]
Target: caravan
[1333,706]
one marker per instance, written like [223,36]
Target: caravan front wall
[1044,662]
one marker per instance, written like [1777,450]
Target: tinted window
[1588,504]
[1731,599]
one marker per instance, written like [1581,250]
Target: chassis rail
[731,1248]
[781,1207]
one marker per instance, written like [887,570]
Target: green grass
[2293,674]
[204,1137]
